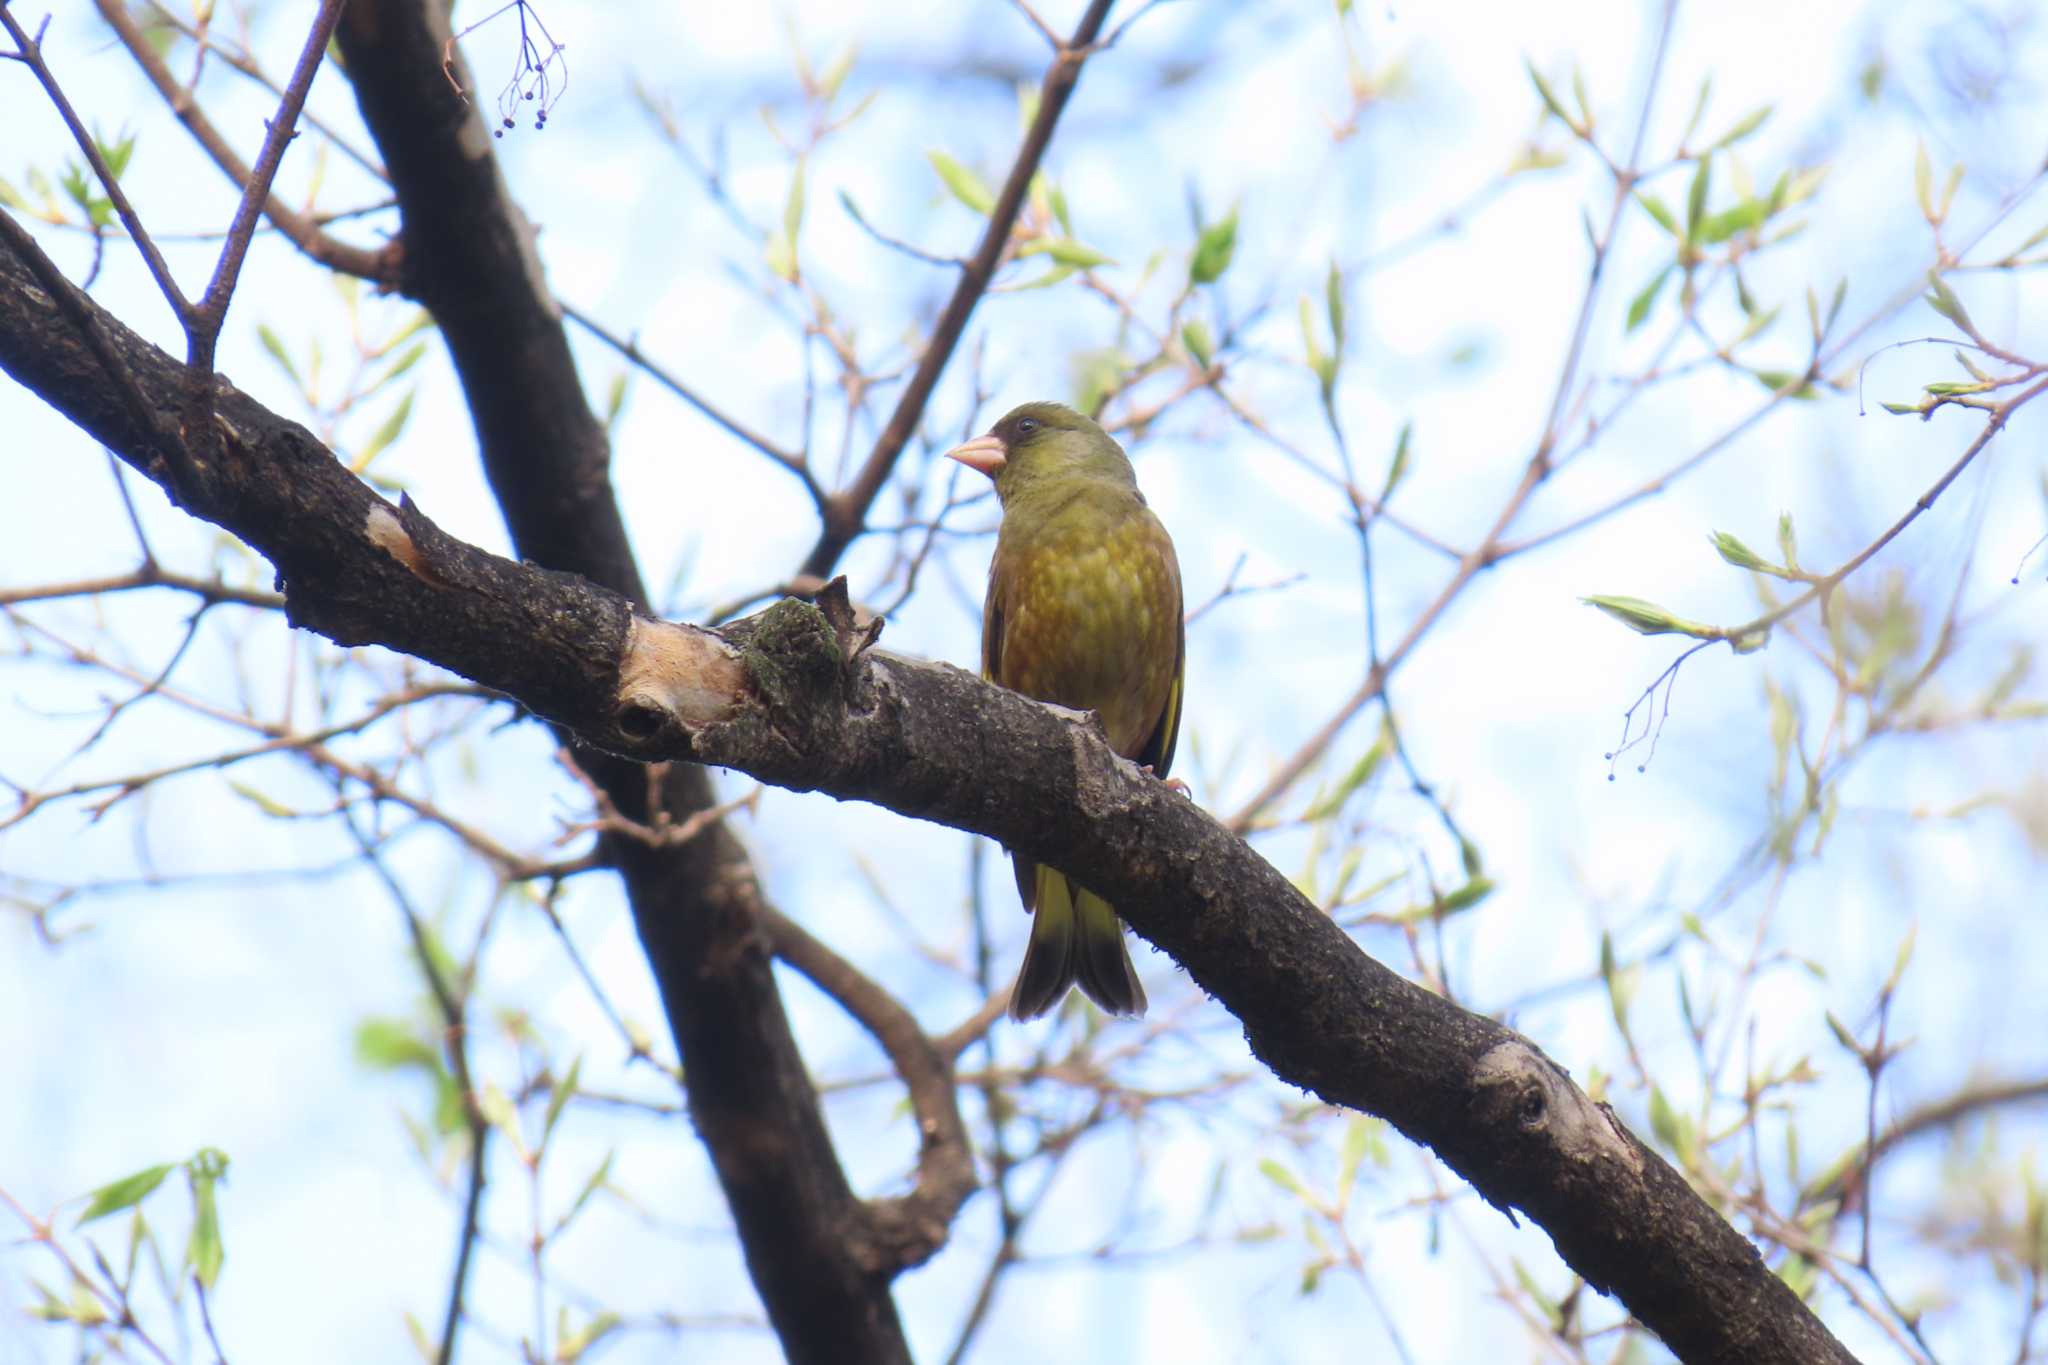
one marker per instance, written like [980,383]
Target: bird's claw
[1173,784]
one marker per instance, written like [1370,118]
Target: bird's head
[1039,444]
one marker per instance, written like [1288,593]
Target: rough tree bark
[795,698]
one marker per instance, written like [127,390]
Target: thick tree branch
[470,257]
[794,698]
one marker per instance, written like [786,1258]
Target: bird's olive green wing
[1157,753]
[991,671]
[992,630]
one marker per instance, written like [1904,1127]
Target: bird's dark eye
[1026,426]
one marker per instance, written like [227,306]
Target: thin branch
[246,65]
[29,52]
[451,1005]
[211,591]
[1827,583]
[628,347]
[304,232]
[845,512]
[1538,468]
[202,328]
[913,1226]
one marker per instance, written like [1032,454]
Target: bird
[1084,611]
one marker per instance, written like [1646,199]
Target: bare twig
[629,347]
[846,511]
[29,52]
[451,1003]
[945,1160]
[202,328]
[304,232]
[1534,473]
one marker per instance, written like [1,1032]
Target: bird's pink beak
[985,453]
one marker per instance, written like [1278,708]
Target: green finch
[1084,610]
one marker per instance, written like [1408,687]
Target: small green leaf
[1788,541]
[1098,373]
[1618,993]
[387,431]
[1333,292]
[1057,198]
[1744,217]
[572,1345]
[1465,897]
[1552,1310]
[1943,300]
[1800,1275]
[1923,182]
[1664,1120]
[1948,191]
[2040,233]
[1696,197]
[1639,306]
[1357,1137]
[1656,208]
[1548,96]
[1027,105]
[1902,959]
[1067,251]
[1397,470]
[1759,323]
[407,358]
[203,1250]
[1311,344]
[1201,347]
[1842,1034]
[1779,380]
[564,1091]
[596,1181]
[780,256]
[614,399]
[274,344]
[392,1045]
[1735,552]
[1214,247]
[793,205]
[271,807]
[1360,774]
[1285,1179]
[77,184]
[117,153]
[124,1193]
[965,185]
[1647,618]
[834,75]
[1699,111]
[1746,125]
[1050,277]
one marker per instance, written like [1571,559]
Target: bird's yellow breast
[1089,616]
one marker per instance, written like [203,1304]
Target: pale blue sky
[222,1015]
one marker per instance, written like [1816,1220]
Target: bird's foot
[1173,784]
